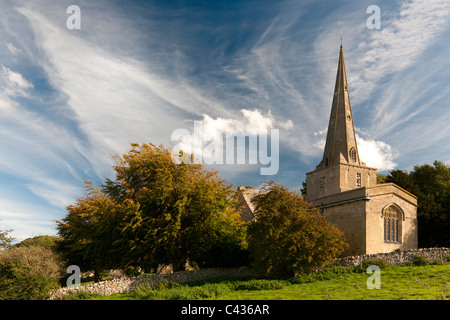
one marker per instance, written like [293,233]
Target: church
[375,218]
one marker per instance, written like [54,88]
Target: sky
[139,71]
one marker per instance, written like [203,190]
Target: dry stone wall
[397,257]
[128,284]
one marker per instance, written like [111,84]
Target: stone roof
[246,194]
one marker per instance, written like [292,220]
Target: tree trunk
[178,265]
[97,276]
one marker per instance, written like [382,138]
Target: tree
[289,236]
[29,272]
[303,188]
[5,241]
[154,212]
[184,208]
[431,184]
[91,232]
[49,242]
[381,178]
[403,179]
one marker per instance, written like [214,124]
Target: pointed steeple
[340,146]
[340,169]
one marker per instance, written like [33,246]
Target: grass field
[397,283]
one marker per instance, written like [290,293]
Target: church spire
[340,146]
[340,169]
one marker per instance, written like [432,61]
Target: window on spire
[353,154]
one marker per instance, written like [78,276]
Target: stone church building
[375,218]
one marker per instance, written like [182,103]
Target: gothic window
[392,224]
[358,179]
[353,154]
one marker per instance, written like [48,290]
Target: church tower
[374,217]
[341,169]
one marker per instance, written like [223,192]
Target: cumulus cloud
[252,123]
[375,153]
[213,141]
[252,120]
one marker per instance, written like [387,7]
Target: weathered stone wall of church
[350,219]
[322,182]
[352,177]
[338,178]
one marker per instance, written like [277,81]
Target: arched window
[392,224]
[352,153]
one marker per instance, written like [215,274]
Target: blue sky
[138,70]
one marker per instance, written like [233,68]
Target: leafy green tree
[5,241]
[433,209]
[403,179]
[303,188]
[184,209]
[431,184]
[49,242]
[381,178]
[289,236]
[154,212]
[91,232]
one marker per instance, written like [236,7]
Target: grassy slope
[397,282]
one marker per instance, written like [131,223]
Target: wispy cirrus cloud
[15,83]
[115,100]
[392,74]
[12,48]
[403,38]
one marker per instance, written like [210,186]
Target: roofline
[394,185]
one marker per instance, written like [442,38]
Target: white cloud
[15,51]
[375,153]
[320,139]
[252,123]
[56,192]
[15,83]
[212,142]
[116,100]
[25,219]
[252,119]
[398,44]
[393,77]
